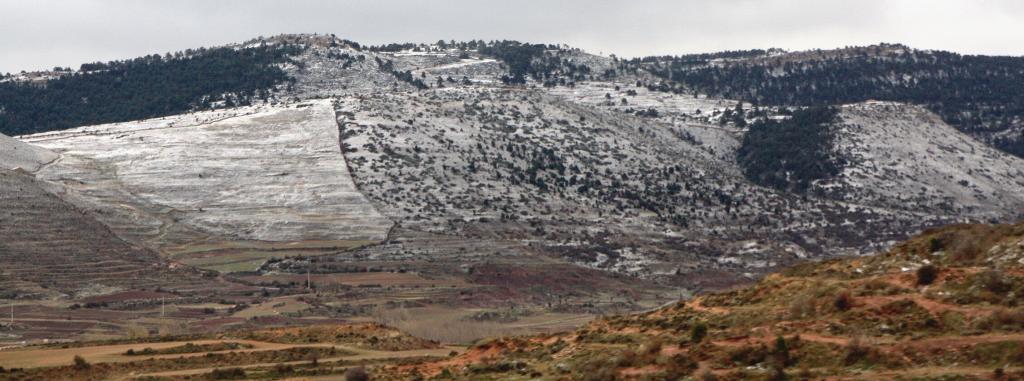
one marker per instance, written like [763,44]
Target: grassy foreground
[945,305]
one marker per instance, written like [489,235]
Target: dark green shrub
[358,374]
[708,376]
[926,275]
[994,282]
[80,363]
[843,302]
[228,374]
[698,332]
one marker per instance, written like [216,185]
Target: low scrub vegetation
[188,348]
[868,317]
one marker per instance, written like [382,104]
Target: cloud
[46,33]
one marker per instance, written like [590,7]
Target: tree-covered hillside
[793,153]
[142,88]
[549,64]
[981,95]
[541,62]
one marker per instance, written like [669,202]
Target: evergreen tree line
[404,76]
[144,87]
[519,58]
[543,63]
[689,60]
[791,154]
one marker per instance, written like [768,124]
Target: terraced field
[277,354]
[243,184]
[51,248]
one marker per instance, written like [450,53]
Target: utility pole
[12,316]
[309,283]
[162,306]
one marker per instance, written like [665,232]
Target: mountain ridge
[490,184]
[563,104]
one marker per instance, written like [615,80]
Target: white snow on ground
[694,116]
[16,154]
[463,63]
[460,158]
[476,70]
[634,193]
[257,173]
[905,157]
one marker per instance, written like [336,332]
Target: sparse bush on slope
[856,317]
[926,275]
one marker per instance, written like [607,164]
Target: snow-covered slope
[253,173]
[905,157]
[593,185]
[600,172]
[695,117]
[328,67]
[17,154]
[49,248]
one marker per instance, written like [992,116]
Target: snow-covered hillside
[905,157]
[253,173]
[593,185]
[602,172]
[16,154]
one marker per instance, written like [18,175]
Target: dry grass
[454,326]
[442,327]
[854,317]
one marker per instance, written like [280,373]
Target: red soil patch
[768,338]
[637,372]
[933,307]
[696,305]
[475,355]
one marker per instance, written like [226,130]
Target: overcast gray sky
[39,34]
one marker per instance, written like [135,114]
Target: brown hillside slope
[49,248]
[320,352]
[943,305]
